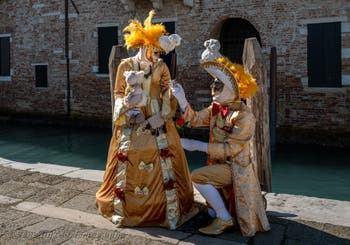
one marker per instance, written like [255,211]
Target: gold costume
[147,180]
[230,169]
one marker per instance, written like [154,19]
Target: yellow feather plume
[246,83]
[147,35]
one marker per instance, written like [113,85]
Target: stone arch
[231,32]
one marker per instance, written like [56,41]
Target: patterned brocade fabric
[230,135]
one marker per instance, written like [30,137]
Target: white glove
[194,145]
[179,94]
[135,115]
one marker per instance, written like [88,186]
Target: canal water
[296,169]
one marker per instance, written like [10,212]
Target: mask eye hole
[217,85]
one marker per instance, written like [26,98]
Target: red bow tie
[219,108]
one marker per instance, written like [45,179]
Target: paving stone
[198,221]
[52,168]
[138,240]
[7,174]
[156,234]
[234,235]
[53,196]
[27,220]
[206,240]
[45,226]
[30,177]
[339,231]
[74,216]
[82,202]
[307,234]
[93,190]
[273,237]
[17,190]
[277,219]
[17,237]
[4,161]
[5,200]
[11,214]
[52,179]
[27,206]
[294,242]
[87,174]
[61,234]
[20,165]
[315,209]
[97,236]
[39,185]
[77,184]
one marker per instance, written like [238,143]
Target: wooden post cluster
[253,62]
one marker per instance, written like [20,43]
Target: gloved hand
[179,94]
[194,145]
[135,115]
[156,121]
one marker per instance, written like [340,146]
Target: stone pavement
[50,204]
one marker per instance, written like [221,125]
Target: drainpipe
[66,19]
[273,86]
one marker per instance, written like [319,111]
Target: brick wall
[37,32]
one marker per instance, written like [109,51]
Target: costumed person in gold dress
[229,183]
[147,181]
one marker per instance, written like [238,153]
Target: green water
[304,170]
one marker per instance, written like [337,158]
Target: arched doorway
[233,33]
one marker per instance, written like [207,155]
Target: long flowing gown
[147,180]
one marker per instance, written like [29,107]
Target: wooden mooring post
[118,52]
[253,62]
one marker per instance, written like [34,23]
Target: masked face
[153,54]
[221,93]
[216,87]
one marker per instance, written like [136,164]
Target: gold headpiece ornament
[138,35]
[233,75]
[246,83]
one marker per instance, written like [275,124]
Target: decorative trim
[173,213]
[121,175]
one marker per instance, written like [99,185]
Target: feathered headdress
[246,83]
[138,35]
